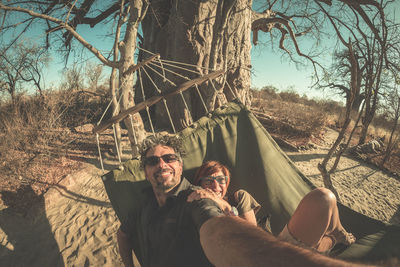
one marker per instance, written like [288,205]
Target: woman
[315,222]
[215,178]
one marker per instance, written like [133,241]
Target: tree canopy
[211,35]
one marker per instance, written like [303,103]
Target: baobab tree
[212,35]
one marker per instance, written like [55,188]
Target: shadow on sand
[396,217]
[28,238]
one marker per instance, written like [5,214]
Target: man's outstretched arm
[229,241]
[124,248]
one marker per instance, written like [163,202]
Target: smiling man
[170,231]
[167,226]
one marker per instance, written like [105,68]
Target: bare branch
[64,25]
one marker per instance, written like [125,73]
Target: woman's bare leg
[316,221]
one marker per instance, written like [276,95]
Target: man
[167,226]
[170,231]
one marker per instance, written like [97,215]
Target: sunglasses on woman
[154,160]
[209,180]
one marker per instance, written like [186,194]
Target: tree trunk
[115,110]
[209,34]
[354,86]
[357,102]
[391,143]
[133,123]
[368,117]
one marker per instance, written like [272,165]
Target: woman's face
[216,182]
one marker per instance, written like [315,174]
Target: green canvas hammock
[233,136]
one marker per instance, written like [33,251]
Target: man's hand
[125,249]
[208,193]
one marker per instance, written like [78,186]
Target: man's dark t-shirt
[169,235]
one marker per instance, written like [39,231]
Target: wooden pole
[155,99]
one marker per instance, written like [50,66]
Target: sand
[74,224]
[360,186]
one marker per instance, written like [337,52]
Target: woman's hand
[208,193]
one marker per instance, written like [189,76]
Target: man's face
[163,175]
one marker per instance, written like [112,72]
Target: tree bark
[358,99]
[127,48]
[392,140]
[212,35]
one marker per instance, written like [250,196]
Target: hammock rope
[177,62]
[186,106]
[169,115]
[201,98]
[230,88]
[173,72]
[162,68]
[99,150]
[144,99]
[162,76]
[116,144]
[153,63]
[148,76]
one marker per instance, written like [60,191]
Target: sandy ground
[360,185]
[74,224]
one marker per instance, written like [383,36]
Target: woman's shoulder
[243,201]
[241,193]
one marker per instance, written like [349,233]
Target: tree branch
[62,24]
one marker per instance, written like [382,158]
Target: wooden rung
[155,99]
[142,105]
[134,68]
[184,86]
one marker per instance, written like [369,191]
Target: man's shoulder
[184,193]
[185,188]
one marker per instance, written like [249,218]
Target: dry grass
[295,119]
[40,143]
[37,146]
[298,120]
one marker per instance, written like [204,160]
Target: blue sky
[269,68]
[268,65]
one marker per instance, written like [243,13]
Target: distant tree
[73,78]
[35,67]
[326,174]
[373,51]
[366,54]
[340,75]
[94,75]
[392,108]
[22,65]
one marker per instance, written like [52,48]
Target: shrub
[34,134]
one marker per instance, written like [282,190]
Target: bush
[290,96]
[34,133]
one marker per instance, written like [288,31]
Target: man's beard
[168,184]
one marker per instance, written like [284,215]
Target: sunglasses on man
[154,160]
[209,180]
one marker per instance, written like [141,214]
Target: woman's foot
[343,237]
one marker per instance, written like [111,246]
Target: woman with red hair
[215,178]
[315,223]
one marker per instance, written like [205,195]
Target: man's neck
[162,195]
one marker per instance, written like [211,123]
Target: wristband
[234,212]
